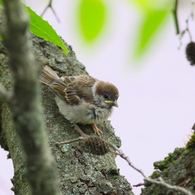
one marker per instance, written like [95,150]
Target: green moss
[162,165]
[191,142]
[178,168]
[155,174]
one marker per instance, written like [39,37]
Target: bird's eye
[105,96]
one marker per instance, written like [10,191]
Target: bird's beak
[113,103]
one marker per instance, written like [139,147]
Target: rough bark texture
[79,172]
[177,169]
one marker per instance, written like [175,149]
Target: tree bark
[177,169]
[79,172]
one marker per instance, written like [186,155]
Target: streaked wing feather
[65,91]
[73,89]
[85,92]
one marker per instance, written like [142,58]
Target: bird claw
[96,129]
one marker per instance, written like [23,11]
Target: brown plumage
[82,99]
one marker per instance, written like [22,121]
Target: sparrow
[82,99]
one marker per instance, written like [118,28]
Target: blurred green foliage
[154,17]
[151,23]
[92,16]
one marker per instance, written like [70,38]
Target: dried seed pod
[190,52]
[95,145]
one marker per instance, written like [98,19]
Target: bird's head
[106,94]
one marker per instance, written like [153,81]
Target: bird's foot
[96,129]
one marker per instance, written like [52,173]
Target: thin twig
[192,7]
[171,187]
[182,33]
[187,26]
[70,141]
[175,17]
[49,5]
[52,9]
[138,185]
[122,155]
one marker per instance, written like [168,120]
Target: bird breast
[84,113]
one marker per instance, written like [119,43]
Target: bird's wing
[73,89]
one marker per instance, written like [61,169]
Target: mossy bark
[178,168]
[79,172]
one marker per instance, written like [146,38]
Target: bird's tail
[48,76]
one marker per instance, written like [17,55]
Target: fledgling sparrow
[82,99]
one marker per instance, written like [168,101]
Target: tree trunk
[79,172]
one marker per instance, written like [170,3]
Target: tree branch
[176,17]
[26,108]
[182,33]
[52,9]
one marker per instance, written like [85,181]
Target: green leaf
[92,14]
[151,24]
[43,29]
[147,5]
